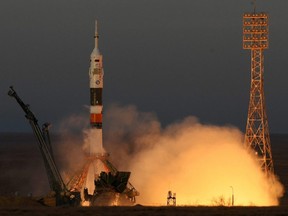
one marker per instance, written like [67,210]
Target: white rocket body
[96,74]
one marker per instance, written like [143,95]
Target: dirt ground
[145,211]
[29,206]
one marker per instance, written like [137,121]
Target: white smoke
[91,141]
[79,141]
[203,164]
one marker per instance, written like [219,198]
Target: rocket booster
[96,74]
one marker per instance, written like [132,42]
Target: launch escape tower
[255,38]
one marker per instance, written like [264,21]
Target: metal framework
[63,196]
[255,38]
[171,199]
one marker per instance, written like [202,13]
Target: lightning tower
[255,38]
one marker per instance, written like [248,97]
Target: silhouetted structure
[255,38]
[171,199]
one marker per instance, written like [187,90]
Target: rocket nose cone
[95,52]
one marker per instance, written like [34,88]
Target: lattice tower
[255,38]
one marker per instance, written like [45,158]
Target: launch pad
[111,187]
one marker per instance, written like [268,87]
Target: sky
[169,57]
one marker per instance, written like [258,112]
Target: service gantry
[255,38]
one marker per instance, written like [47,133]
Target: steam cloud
[80,145]
[203,164]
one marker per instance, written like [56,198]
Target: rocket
[96,74]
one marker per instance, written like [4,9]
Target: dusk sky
[175,58]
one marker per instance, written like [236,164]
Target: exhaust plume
[203,164]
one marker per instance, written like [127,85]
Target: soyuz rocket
[96,74]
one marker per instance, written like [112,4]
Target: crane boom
[55,180]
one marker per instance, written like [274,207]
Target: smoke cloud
[202,164]
[80,141]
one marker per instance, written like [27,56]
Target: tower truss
[257,138]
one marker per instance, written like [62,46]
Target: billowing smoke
[202,164]
[78,141]
[71,146]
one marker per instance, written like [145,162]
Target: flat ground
[145,211]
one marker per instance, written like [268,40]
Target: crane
[61,195]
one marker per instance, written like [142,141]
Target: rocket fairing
[96,74]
